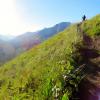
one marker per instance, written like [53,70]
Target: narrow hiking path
[88,71]
[89,88]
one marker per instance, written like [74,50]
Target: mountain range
[6,38]
[11,47]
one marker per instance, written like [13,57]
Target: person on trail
[84,18]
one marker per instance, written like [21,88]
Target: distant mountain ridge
[53,30]
[30,39]
[26,41]
[6,38]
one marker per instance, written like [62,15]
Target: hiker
[84,18]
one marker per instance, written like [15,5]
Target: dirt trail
[90,52]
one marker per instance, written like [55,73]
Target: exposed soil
[89,88]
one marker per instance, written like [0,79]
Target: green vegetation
[92,26]
[34,74]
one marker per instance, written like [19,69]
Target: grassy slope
[32,75]
[92,26]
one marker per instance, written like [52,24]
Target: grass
[92,26]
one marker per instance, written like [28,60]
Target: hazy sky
[19,16]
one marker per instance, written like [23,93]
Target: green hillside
[33,75]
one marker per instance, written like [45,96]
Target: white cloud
[11,22]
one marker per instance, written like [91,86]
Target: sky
[19,16]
